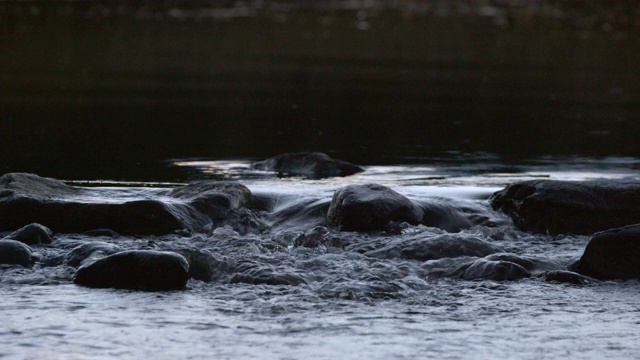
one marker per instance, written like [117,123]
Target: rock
[13,252]
[136,269]
[266,276]
[90,252]
[522,261]
[203,265]
[560,207]
[612,254]
[314,165]
[32,234]
[483,269]
[443,215]
[563,276]
[423,248]
[370,207]
[322,237]
[28,198]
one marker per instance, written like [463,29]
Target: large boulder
[28,198]
[612,254]
[370,207]
[13,252]
[315,165]
[32,234]
[146,270]
[557,207]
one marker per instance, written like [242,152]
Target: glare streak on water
[350,305]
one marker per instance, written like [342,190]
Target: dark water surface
[104,89]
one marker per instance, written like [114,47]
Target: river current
[330,301]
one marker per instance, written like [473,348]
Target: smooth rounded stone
[370,207]
[561,207]
[563,276]
[612,254]
[483,269]
[13,252]
[146,270]
[443,215]
[315,165]
[89,252]
[209,195]
[32,234]
[425,248]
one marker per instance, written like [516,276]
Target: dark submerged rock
[563,276]
[13,252]
[259,275]
[484,269]
[28,198]
[87,253]
[136,269]
[612,254]
[424,248]
[32,234]
[556,207]
[444,215]
[370,207]
[314,165]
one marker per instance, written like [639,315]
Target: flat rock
[13,252]
[146,270]
[28,198]
[425,248]
[612,254]
[370,207]
[315,165]
[561,207]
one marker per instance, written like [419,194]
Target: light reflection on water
[452,319]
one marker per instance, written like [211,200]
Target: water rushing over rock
[269,274]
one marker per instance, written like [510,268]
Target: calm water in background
[451,99]
[106,89]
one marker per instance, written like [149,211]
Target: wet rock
[136,269]
[370,207]
[522,261]
[203,265]
[612,254]
[32,234]
[563,276]
[90,252]
[424,248]
[320,236]
[13,252]
[28,198]
[314,165]
[443,215]
[483,269]
[558,207]
[257,275]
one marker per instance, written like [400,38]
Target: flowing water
[344,298]
[441,100]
